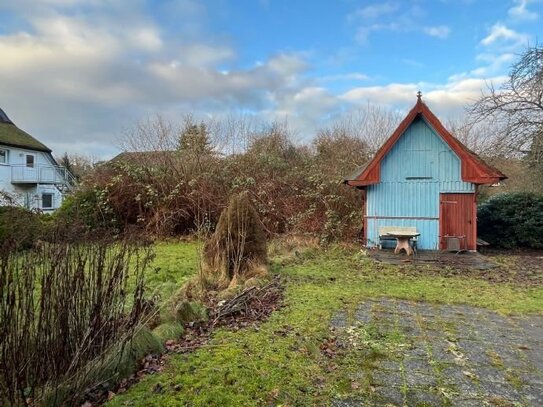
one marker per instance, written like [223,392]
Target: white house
[28,172]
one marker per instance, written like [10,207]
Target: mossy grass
[171,330]
[118,362]
[281,361]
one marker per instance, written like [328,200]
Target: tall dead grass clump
[233,256]
[237,249]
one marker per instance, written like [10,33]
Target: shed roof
[474,169]
[11,135]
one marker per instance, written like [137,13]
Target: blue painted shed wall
[419,152]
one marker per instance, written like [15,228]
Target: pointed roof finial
[419,95]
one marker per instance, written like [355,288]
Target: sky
[76,74]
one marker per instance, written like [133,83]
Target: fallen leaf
[274,393]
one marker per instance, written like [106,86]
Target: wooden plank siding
[416,170]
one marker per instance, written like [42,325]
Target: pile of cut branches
[252,304]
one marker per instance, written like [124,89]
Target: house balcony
[41,174]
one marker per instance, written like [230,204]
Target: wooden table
[402,241]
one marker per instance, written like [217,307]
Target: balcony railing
[41,174]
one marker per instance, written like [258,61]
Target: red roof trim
[474,169]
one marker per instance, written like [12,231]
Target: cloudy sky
[76,73]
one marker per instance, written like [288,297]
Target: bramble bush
[295,189]
[512,220]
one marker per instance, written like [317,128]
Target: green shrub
[87,207]
[18,226]
[512,220]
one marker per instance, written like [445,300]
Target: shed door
[457,214]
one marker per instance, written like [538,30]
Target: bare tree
[483,137]
[152,134]
[372,124]
[233,133]
[516,106]
[79,165]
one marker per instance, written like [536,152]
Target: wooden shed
[423,178]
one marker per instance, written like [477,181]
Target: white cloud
[75,80]
[440,31]
[353,76]
[520,11]
[364,31]
[503,36]
[445,100]
[203,55]
[389,16]
[96,75]
[394,94]
[374,11]
[147,39]
[498,50]
[288,64]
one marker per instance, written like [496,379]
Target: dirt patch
[524,268]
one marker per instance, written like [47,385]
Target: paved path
[457,355]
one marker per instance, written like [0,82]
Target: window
[30,160]
[46,200]
[3,156]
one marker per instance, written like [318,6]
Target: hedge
[512,220]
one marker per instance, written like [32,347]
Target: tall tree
[517,105]
[195,139]
[195,145]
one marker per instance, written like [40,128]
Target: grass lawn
[174,263]
[281,361]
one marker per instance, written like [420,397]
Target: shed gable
[420,155]
[472,168]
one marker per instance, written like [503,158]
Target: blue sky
[77,73]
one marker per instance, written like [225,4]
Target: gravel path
[457,355]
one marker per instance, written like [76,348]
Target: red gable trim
[474,169]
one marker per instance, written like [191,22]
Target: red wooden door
[457,217]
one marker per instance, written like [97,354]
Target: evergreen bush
[512,220]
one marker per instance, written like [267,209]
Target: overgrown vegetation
[512,220]
[72,314]
[177,181]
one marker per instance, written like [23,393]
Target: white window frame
[33,160]
[6,156]
[52,200]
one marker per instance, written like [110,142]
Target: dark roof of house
[144,157]
[11,135]
[473,168]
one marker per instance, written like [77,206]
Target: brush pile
[252,304]
[234,259]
